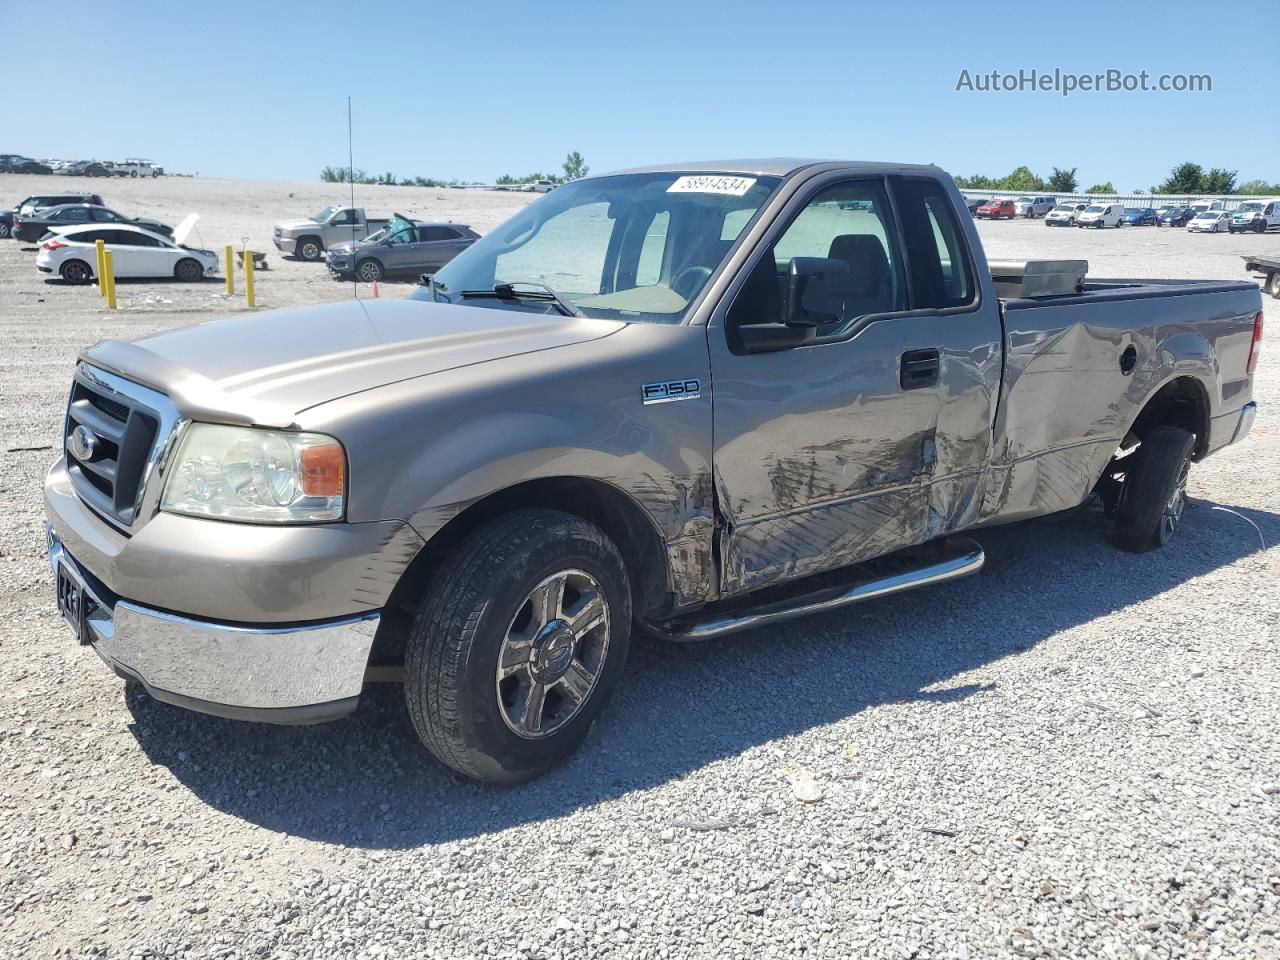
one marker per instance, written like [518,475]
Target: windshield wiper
[507,291]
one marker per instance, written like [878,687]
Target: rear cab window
[940,268]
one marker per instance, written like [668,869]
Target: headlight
[256,476]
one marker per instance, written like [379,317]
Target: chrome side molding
[949,560]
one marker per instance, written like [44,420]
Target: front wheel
[309,248]
[518,645]
[188,271]
[1154,492]
[370,271]
[4,230]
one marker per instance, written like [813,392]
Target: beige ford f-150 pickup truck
[693,398]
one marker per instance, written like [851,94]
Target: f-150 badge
[668,391]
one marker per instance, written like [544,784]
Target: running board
[949,560]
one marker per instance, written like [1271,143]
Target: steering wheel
[695,275]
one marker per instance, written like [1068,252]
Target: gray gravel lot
[1074,754]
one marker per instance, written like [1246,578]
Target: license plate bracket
[73,603]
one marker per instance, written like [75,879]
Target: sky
[475,90]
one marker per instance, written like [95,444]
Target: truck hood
[299,223]
[263,369]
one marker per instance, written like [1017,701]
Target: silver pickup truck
[309,237]
[693,399]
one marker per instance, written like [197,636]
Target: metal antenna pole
[351,180]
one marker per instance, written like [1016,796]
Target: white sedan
[135,253]
[1211,221]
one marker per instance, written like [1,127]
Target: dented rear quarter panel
[1067,405]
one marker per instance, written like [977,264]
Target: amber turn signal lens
[324,470]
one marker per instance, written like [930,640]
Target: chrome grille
[111,437]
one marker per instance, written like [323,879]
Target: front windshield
[323,214]
[1064,207]
[1095,209]
[1207,215]
[1249,208]
[634,247]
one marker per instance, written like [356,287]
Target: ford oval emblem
[83,443]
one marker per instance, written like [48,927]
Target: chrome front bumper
[298,673]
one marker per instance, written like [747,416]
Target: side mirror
[813,274]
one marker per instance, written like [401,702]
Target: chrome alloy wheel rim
[552,654]
[1177,503]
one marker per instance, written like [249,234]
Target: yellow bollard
[109,271]
[102,267]
[248,278]
[231,272]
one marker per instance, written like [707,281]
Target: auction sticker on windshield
[731,186]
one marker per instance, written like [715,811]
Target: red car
[995,209]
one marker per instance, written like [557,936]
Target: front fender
[423,450]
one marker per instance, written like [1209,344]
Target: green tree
[976,182]
[1218,180]
[1184,178]
[575,166]
[1258,188]
[1021,179]
[1102,188]
[1063,181]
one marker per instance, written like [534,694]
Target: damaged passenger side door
[875,433]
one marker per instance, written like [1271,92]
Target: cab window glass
[941,272]
[576,239]
[649,268]
[850,225]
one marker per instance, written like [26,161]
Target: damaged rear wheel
[1154,493]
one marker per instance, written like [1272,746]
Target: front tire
[309,248]
[369,271]
[518,645]
[188,271]
[4,231]
[1154,493]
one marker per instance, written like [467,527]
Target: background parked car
[407,248]
[35,225]
[1065,214]
[1101,215]
[1032,207]
[1258,216]
[995,209]
[1173,216]
[137,167]
[87,168]
[1139,216]
[39,201]
[136,253]
[973,205]
[15,163]
[1210,221]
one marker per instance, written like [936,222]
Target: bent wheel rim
[552,654]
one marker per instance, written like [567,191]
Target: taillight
[53,245]
[1256,346]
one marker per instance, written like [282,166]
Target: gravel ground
[1074,754]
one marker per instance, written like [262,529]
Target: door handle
[919,369]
